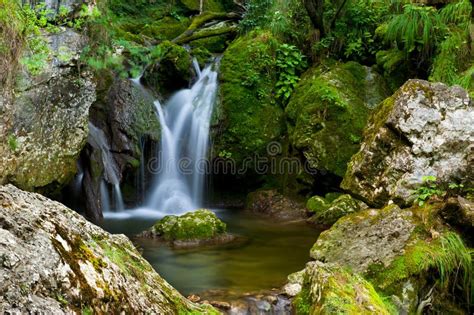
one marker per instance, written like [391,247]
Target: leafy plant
[256,15]
[290,63]
[428,189]
[12,142]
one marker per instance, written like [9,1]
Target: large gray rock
[362,239]
[423,129]
[52,261]
[44,126]
[401,252]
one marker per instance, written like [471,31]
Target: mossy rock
[250,117]
[326,213]
[171,72]
[167,28]
[329,290]
[198,225]
[403,253]
[215,44]
[317,204]
[328,111]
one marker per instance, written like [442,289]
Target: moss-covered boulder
[402,253]
[249,117]
[52,261]
[317,204]
[171,72]
[329,290]
[44,116]
[200,227]
[326,212]
[328,111]
[423,129]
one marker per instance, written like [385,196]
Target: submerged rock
[423,129]
[327,213]
[201,227]
[53,261]
[275,205]
[328,111]
[44,126]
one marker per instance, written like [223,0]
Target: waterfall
[185,122]
[98,140]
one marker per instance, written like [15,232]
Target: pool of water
[272,251]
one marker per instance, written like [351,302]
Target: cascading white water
[98,140]
[185,124]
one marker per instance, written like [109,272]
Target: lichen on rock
[423,129]
[53,261]
[44,127]
[402,253]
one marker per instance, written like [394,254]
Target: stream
[271,252]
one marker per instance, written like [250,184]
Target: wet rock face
[44,127]
[276,205]
[54,261]
[423,129]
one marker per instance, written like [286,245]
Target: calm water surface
[272,251]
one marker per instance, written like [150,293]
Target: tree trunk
[315,9]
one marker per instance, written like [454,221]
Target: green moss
[167,28]
[327,114]
[172,71]
[317,204]
[126,259]
[202,55]
[198,225]
[251,117]
[446,255]
[12,142]
[215,44]
[328,290]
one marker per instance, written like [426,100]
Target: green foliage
[447,257]
[290,63]
[256,15]
[428,189]
[453,51]
[436,42]
[353,33]
[418,29]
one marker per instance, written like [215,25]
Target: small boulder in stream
[273,204]
[52,261]
[201,227]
